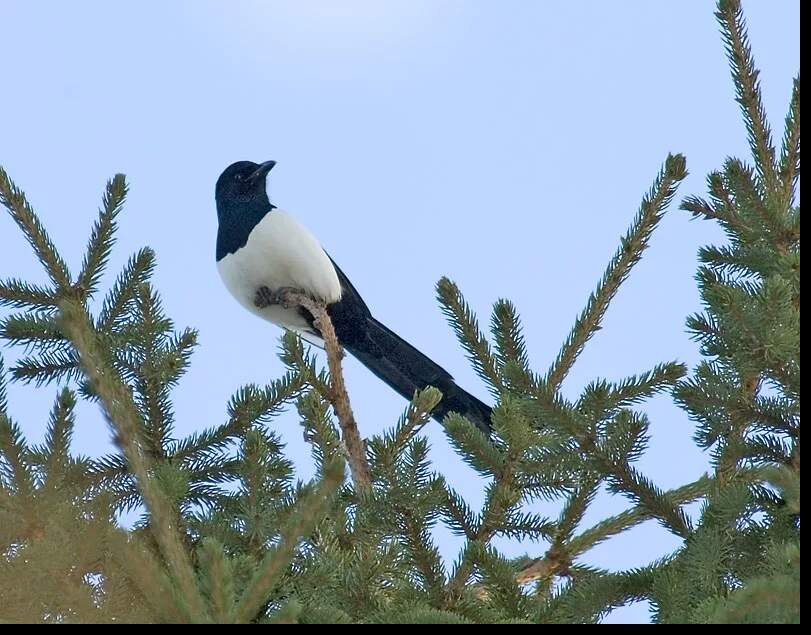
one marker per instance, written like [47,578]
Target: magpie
[261,246]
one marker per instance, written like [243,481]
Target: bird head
[242,184]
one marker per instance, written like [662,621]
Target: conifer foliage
[228,534]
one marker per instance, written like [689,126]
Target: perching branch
[337,394]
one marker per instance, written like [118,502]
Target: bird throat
[235,225]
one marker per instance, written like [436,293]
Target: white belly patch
[280,252]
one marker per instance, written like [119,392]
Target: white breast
[280,252]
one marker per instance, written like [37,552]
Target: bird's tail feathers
[406,370]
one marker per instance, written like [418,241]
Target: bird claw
[265,297]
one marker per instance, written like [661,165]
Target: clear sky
[504,144]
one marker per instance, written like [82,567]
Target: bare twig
[337,395]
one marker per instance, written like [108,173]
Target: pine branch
[633,244]
[473,445]
[624,478]
[337,395]
[558,558]
[747,87]
[15,473]
[110,472]
[790,153]
[274,551]
[386,450]
[426,556]
[605,398]
[552,564]
[623,441]
[308,512]
[250,405]
[411,495]
[595,594]
[767,448]
[462,319]
[699,207]
[144,572]
[574,510]
[503,494]
[19,294]
[56,451]
[47,367]
[751,201]
[776,415]
[421,615]
[136,273]
[218,579]
[32,330]
[735,262]
[151,390]
[638,514]
[458,514]
[13,199]
[319,429]
[123,417]
[499,585]
[176,356]
[416,416]
[265,497]
[102,237]
[521,526]
[723,208]
[512,356]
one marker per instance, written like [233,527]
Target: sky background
[506,145]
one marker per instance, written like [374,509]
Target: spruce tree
[229,534]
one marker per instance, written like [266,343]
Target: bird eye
[239,178]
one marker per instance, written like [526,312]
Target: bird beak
[262,171]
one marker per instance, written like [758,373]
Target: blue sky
[506,145]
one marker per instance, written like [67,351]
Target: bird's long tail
[407,370]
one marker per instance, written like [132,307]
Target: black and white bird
[260,245]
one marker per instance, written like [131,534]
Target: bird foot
[265,297]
